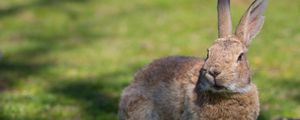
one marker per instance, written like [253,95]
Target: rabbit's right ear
[224,18]
[251,22]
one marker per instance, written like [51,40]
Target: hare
[190,88]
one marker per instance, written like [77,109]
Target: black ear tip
[262,2]
[257,3]
[258,7]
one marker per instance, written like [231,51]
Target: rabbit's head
[226,67]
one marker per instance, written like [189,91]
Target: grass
[70,59]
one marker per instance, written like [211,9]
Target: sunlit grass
[70,59]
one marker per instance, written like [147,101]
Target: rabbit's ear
[251,22]
[224,18]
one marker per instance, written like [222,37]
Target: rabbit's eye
[240,57]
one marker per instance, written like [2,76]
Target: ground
[70,59]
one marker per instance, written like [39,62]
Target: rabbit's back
[159,89]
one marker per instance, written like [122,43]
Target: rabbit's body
[166,90]
[188,88]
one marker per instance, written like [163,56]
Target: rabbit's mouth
[219,88]
[208,83]
[216,88]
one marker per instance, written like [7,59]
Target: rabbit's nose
[214,73]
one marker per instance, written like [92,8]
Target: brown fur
[189,88]
[170,94]
[162,84]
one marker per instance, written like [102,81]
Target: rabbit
[191,88]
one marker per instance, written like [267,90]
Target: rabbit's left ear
[251,22]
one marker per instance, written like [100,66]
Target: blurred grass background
[70,59]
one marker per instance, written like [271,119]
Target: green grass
[70,59]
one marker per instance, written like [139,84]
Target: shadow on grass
[264,116]
[286,89]
[99,95]
[11,72]
[89,93]
[292,88]
[26,62]
[39,3]
[289,87]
